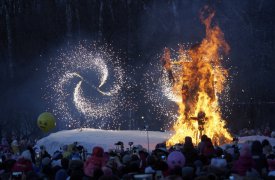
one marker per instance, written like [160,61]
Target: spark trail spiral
[158,93]
[85,86]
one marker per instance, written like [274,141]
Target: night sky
[33,32]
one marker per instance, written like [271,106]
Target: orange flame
[197,79]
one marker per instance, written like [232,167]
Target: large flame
[197,78]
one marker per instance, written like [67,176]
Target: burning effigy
[197,78]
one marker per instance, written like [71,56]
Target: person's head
[245,150]
[126,159]
[204,138]
[256,147]
[26,155]
[188,140]
[265,142]
[235,140]
[46,161]
[98,151]
[174,159]
[65,163]
[188,144]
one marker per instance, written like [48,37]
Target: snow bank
[104,138]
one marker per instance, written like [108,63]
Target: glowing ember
[196,79]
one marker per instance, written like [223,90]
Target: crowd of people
[251,160]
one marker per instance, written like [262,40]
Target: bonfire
[197,78]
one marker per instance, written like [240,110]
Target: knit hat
[174,159]
[98,151]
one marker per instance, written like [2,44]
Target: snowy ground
[107,138]
[104,138]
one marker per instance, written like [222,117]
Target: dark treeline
[32,30]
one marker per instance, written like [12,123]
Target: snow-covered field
[104,138]
[107,138]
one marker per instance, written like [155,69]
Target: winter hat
[174,159]
[46,161]
[126,159]
[160,145]
[98,151]
[138,147]
[26,155]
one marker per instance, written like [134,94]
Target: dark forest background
[31,31]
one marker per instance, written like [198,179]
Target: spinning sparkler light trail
[158,94]
[87,84]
